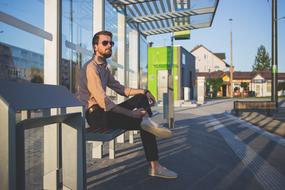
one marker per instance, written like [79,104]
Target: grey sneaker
[152,127]
[162,172]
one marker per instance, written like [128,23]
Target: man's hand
[138,113]
[150,98]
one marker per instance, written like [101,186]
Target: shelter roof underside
[166,16]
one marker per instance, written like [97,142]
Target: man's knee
[140,96]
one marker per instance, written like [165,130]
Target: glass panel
[21,53]
[76,40]
[143,63]
[129,71]
[23,9]
[21,59]
[200,19]
[196,4]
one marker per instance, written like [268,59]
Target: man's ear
[95,47]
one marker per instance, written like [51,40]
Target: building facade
[183,70]
[20,64]
[207,61]
[258,83]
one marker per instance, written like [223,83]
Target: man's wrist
[146,91]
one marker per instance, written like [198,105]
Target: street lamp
[231,59]
[281,18]
[274,81]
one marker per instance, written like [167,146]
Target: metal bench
[64,135]
[100,135]
[266,106]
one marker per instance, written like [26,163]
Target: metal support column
[134,57]
[122,49]
[122,57]
[98,15]
[231,64]
[274,81]
[52,60]
[170,88]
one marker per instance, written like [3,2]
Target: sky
[251,27]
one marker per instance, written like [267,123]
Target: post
[231,66]
[200,90]
[52,60]
[122,50]
[134,58]
[274,81]
[170,88]
[122,58]
[98,15]
[8,147]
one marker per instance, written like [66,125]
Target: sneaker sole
[164,133]
[162,176]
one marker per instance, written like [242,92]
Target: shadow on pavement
[197,152]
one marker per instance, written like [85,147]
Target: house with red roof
[258,82]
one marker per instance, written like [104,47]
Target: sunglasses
[105,42]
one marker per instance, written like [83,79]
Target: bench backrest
[29,96]
[254,105]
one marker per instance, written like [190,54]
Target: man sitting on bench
[133,114]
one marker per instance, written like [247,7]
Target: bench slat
[102,134]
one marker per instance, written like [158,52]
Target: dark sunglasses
[104,43]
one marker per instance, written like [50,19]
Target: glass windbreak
[21,53]
[30,11]
[22,59]
[129,71]
[111,24]
[76,40]
[143,63]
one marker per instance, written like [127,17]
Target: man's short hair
[96,36]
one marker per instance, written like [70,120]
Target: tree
[37,79]
[262,60]
[214,85]
[281,86]
[244,85]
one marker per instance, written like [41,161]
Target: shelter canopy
[165,16]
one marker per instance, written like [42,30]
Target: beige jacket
[95,76]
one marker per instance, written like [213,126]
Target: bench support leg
[97,149]
[121,138]
[112,149]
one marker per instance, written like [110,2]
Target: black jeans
[110,119]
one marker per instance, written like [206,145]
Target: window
[183,59]
[17,54]
[76,40]
[268,86]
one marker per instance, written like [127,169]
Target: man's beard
[107,54]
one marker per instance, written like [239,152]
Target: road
[210,149]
